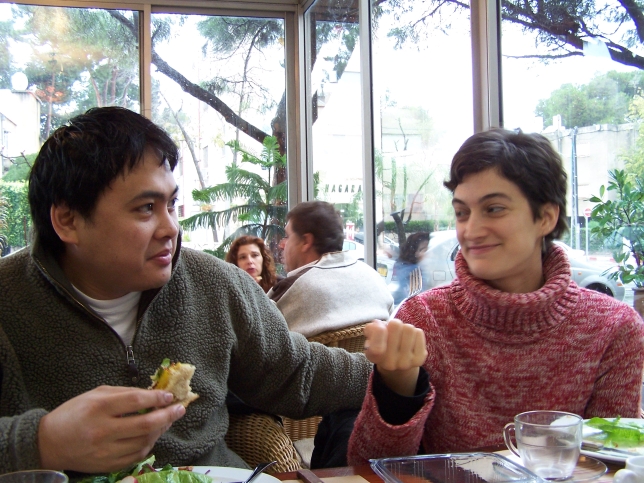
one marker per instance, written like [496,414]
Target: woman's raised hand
[398,350]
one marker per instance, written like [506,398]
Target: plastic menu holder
[453,468]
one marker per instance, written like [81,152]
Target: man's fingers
[154,422]
[132,400]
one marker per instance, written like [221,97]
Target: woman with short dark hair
[512,332]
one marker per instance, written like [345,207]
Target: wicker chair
[350,339]
[257,438]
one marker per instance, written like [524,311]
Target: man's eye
[147,207]
[173,202]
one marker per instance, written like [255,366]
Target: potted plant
[619,220]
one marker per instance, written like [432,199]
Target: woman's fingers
[375,340]
[395,345]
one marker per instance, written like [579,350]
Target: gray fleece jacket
[210,314]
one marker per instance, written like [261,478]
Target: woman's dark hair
[321,220]
[410,247]
[268,265]
[527,160]
[81,159]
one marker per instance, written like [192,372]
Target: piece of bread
[175,378]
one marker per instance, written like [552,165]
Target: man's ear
[307,242]
[64,221]
[549,217]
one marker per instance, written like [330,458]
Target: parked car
[572,253]
[384,264]
[385,244]
[438,266]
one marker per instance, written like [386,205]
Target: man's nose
[168,226]
[282,243]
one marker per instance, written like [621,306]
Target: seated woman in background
[411,254]
[512,332]
[251,255]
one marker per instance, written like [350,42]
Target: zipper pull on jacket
[132,368]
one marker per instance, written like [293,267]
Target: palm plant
[263,210]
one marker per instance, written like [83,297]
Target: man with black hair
[105,293]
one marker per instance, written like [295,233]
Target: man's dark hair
[321,220]
[80,160]
[527,160]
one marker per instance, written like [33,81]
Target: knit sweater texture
[492,355]
[210,314]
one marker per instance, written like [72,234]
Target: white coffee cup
[633,473]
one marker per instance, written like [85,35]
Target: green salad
[618,433]
[144,472]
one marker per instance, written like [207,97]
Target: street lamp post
[574,216]
[587,216]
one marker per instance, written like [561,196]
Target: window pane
[422,76]
[55,63]
[572,71]
[219,89]
[334,100]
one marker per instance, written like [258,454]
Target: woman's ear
[549,217]
[64,220]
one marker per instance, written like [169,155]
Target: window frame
[485,20]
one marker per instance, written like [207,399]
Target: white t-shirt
[120,313]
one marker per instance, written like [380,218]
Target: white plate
[224,474]
[608,455]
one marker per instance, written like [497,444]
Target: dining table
[360,473]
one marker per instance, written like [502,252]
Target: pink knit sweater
[494,354]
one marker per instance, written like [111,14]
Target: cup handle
[625,476]
[508,432]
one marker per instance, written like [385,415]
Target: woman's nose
[473,227]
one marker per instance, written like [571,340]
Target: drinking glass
[34,476]
[548,442]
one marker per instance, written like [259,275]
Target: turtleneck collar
[516,317]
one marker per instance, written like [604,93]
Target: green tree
[6,69]
[560,27]
[20,167]
[66,80]
[634,158]
[17,216]
[620,221]
[262,210]
[604,100]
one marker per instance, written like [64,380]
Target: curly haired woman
[251,255]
